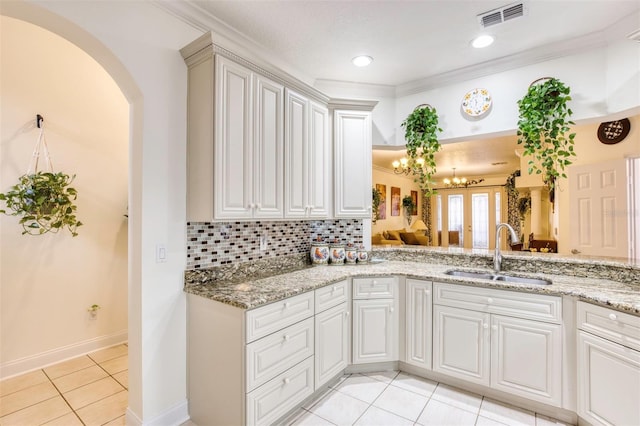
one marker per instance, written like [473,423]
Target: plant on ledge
[421,127]
[407,204]
[542,129]
[44,203]
[376,198]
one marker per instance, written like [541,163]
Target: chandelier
[402,166]
[456,182]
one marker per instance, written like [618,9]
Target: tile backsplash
[212,244]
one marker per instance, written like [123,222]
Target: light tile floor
[88,390]
[392,398]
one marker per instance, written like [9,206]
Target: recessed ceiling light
[482,41]
[362,60]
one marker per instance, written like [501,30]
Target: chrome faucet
[497,256]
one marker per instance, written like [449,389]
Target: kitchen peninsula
[290,335]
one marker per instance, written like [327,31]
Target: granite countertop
[253,293]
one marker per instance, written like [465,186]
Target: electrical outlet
[264,241]
[161,253]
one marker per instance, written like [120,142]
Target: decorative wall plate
[612,132]
[476,102]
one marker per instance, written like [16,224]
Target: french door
[467,217]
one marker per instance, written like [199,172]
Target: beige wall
[406,185]
[49,281]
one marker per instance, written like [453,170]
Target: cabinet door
[267,148]
[526,358]
[319,161]
[461,344]
[233,141]
[332,340]
[375,330]
[418,323]
[296,172]
[352,164]
[608,382]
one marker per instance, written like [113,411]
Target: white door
[598,208]
[267,148]
[319,161]
[332,343]
[295,155]
[461,344]
[608,382]
[418,323]
[233,141]
[375,330]
[526,358]
[352,164]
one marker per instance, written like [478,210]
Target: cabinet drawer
[374,288]
[270,318]
[271,355]
[331,295]
[609,324]
[275,398]
[539,307]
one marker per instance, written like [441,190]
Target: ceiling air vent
[503,14]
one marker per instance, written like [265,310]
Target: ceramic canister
[351,254]
[319,253]
[363,256]
[337,254]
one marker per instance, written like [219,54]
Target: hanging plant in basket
[407,204]
[421,127]
[376,199]
[43,200]
[543,129]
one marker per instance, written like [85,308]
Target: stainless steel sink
[498,277]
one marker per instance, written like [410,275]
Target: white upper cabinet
[307,161]
[247,143]
[352,163]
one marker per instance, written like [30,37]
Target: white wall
[139,46]
[49,281]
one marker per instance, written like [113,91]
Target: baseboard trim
[174,416]
[54,356]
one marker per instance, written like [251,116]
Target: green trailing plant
[543,129]
[44,203]
[510,185]
[421,127]
[376,199]
[524,205]
[407,204]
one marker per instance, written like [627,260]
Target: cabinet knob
[485,326]
[494,327]
[334,288]
[286,304]
[286,380]
[613,317]
[374,282]
[286,337]
[346,314]
[391,309]
[489,300]
[258,205]
[426,291]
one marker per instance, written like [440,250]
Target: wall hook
[39,120]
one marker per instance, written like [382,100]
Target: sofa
[399,237]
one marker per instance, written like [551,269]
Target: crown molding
[354,89]
[506,63]
[352,104]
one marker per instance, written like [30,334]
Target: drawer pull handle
[485,326]
[489,300]
[286,380]
[613,317]
[286,337]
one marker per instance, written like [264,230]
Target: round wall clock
[612,132]
[476,102]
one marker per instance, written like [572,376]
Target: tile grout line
[63,398]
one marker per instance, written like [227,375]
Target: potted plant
[376,198]
[543,128]
[44,203]
[421,127]
[407,204]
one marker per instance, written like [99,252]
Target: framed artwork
[414,197]
[395,201]
[382,208]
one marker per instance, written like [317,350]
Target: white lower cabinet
[375,330]
[418,320]
[516,355]
[608,371]
[332,343]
